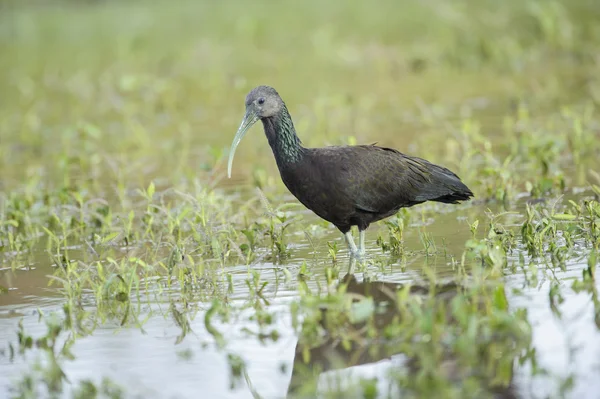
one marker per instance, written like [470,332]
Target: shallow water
[148,362]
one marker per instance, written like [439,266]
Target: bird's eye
[261,101]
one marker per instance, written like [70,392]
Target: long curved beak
[250,119]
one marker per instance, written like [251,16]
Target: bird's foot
[356,257]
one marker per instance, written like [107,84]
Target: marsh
[131,266]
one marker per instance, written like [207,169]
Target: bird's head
[262,102]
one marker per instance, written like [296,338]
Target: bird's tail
[441,185]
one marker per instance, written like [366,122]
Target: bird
[348,185]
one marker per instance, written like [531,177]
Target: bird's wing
[380,179]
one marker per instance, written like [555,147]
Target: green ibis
[346,185]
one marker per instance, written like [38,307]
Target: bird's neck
[282,138]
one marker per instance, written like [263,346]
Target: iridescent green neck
[282,137]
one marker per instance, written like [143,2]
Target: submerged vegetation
[115,215]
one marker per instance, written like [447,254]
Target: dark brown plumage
[346,185]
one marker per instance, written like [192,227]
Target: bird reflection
[364,347]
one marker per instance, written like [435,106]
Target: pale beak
[249,119]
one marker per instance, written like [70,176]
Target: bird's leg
[351,265]
[361,242]
[351,245]
[354,251]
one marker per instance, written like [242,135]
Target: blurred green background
[154,89]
